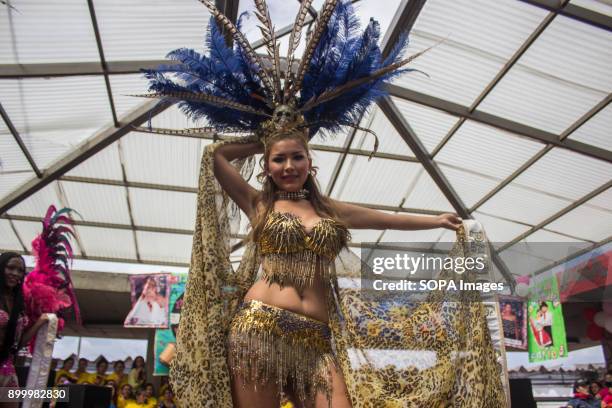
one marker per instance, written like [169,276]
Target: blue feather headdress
[341,73]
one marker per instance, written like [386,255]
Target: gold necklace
[292,195]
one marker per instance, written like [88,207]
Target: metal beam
[106,225]
[54,70]
[500,75]
[558,215]
[403,128]
[163,230]
[186,265]
[107,259]
[511,177]
[109,92]
[581,121]
[574,12]
[571,256]
[403,21]
[193,190]
[396,119]
[102,139]
[127,199]
[61,69]
[19,140]
[499,122]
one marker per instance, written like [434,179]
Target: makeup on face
[288,165]
[14,272]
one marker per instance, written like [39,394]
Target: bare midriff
[311,302]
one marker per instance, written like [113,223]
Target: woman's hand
[449,221]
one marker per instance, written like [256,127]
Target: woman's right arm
[229,177]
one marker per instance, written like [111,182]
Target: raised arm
[356,216]
[230,179]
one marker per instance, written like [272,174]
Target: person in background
[16,330]
[137,375]
[113,386]
[81,374]
[141,400]
[164,384]
[62,379]
[65,371]
[99,377]
[607,384]
[595,388]
[166,400]
[150,391]
[582,397]
[606,391]
[118,374]
[125,395]
[285,402]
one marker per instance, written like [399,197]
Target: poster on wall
[514,322]
[165,339]
[150,295]
[546,334]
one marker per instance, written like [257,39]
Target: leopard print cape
[445,348]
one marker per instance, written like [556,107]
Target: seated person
[141,400]
[582,397]
[65,372]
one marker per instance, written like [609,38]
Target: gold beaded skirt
[267,344]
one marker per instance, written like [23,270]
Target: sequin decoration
[267,343]
[294,257]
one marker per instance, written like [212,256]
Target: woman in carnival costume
[246,337]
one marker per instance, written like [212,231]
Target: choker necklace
[292,195]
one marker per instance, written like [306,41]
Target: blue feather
[342,56]
[222,73]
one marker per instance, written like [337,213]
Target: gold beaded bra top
[292,255]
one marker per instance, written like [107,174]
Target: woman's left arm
[356,216]
[28,334]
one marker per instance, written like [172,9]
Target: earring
[313,172]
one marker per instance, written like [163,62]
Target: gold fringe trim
[267,343]
[299,269]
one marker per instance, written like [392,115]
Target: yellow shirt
[119,381]
[287,404]
[91,378]
[134,404]
[68,374]
[121,402]
[133,379]
[86,378]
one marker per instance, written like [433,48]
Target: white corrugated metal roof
[137,196]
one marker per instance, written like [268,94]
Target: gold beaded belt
[267,343]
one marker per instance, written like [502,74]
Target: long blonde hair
[323,206]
